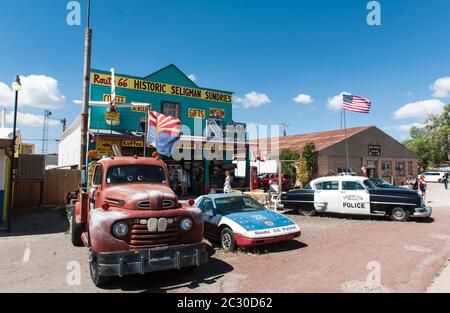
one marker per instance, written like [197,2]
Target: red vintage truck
[132,222]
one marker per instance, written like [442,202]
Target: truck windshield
[232,205]
[126,174]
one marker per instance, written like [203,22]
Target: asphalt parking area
[334,254]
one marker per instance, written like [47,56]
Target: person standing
[228,181]
[446,181]
[182,179]
[423,187]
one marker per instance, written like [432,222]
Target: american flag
[356,104]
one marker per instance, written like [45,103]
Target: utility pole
[285,127]
[47,115]
[64,124]
[86,93]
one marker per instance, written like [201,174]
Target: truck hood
[141,197]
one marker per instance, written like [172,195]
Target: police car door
[355,198]
[327,197]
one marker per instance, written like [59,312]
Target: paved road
[335,254]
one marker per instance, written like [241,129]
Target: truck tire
[76,231]
[307,212]
[227,240]
[98,280]
[399,214]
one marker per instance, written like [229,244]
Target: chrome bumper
[423,212]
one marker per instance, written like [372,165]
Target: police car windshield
[232,205]
[370,184]
[126,174]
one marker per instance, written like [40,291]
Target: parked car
[433,177]
[355,195]
[132,222]
[265,179]
[241,221]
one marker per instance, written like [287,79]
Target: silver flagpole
[346,139]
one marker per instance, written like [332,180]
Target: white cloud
[407,127]
[303,99]
[441,87]
[420,109]
[30,120]
[192,77]
[38,91]
[335,103]
[253,100]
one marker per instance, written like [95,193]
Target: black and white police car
[355,195]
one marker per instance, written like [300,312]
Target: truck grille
[141,238]
[167,204]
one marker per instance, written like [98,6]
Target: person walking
[446,181]
[423,187]
[228,181]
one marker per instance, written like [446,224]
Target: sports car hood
[259,220]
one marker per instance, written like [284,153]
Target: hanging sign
[217,113]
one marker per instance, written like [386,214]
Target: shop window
[400,169]
[387,169]
[171,109]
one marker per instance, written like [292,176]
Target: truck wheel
[400,215]
[227,240]
[77,230]
[307,212]
[98,280]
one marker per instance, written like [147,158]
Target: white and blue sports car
[241,221]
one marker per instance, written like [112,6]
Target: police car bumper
[150,260]
[423,212]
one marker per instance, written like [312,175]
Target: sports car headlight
[120,229]
[186,224]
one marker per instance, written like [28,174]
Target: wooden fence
[52,190]
[57,184]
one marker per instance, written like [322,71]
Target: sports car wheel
[307,212]
[227,240]
[400,215]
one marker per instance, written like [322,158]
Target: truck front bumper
[423,212]
[150,260]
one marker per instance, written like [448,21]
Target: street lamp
[16,86]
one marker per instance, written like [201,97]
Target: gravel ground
[334,254]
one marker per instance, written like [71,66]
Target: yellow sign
[216,113]
[196,113]
[119,99]
[211,147]
[141,109]
[144,85]
[112,116]
[133,143]
[104,146]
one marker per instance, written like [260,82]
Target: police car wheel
[307,212]
[400,215]
[227,240]
[98,280]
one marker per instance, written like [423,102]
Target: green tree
[309,155]
[432,142]
[288,168]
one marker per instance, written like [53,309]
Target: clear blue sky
[276,48]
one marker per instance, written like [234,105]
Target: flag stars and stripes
[356,104]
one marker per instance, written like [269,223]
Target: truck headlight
[186,224]
[120,229]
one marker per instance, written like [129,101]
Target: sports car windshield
[232,205]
